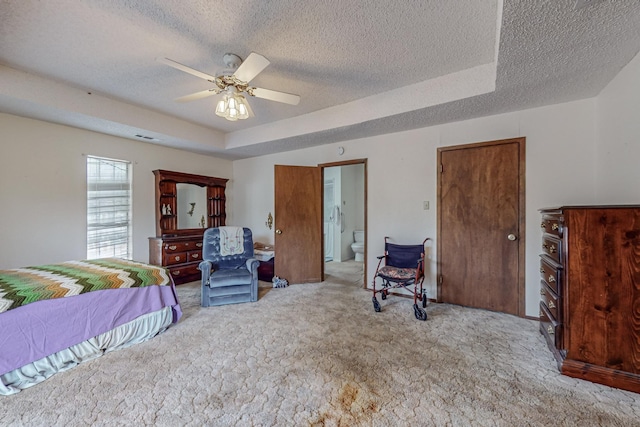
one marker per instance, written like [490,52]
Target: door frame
[322,166]
[521,141]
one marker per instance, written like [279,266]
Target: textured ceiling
[361,68]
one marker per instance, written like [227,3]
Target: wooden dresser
[590,292]
[181,254]
[178,242]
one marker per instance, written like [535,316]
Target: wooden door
[298,223]
[481,225]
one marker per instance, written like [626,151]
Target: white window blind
[108,208]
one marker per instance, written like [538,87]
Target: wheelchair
[403,266]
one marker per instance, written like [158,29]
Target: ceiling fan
[233,105]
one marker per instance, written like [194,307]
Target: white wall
[43,188]
[618,153]
[352,205]
[560,159]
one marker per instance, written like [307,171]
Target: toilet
[358,245]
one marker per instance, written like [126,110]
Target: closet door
[481,225]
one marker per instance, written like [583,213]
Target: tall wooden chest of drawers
[590,292]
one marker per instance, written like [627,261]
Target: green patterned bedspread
[22,286]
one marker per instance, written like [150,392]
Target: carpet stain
[348,395]
[353,408]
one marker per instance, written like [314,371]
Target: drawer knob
[550,330]
[551,304]
[173,247]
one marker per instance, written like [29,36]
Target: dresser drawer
[551,224]
[550,327]
[174,258]
[552,247]
[184,271]
[550,300]
[551,274]
[171,247]
[194,255]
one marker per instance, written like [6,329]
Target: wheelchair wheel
[376,305]
[419,313]
[424,300]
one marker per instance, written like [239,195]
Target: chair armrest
[381,256]
[205,267]
[252,264]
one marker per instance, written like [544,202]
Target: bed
[53,317]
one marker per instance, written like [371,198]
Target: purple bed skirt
[39,329]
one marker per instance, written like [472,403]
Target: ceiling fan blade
[198,95]
[273,95]
[251,67]
[186,69]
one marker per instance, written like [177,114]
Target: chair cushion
[396,274]
[227,277]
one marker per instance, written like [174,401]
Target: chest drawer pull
[541,270]
[172,247]
[551,279]
[175,272]
[542,292]
[198,245]
[555,226]
[550,330]
[551,304]
[195,255]
[545,246]
[177,257]
[542,225]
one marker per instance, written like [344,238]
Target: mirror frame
[166,194]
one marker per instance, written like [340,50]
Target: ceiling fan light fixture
[232,107]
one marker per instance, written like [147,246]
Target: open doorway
[344,222]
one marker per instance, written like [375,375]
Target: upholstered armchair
[229,271]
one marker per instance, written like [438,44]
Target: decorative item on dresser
[590,289]
[178,241]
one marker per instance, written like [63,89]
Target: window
[108,208]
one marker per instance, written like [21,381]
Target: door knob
[278,231]
[511,237]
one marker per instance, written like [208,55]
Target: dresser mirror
[191,206]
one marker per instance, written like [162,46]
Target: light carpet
[318,355]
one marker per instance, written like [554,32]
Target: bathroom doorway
[344,222]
